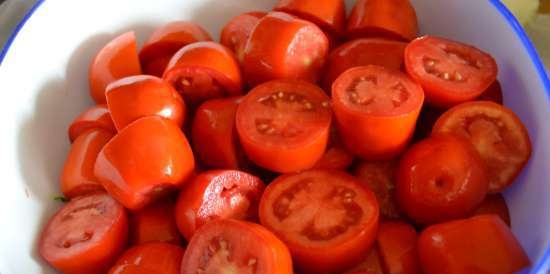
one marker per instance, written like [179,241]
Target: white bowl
[43,79]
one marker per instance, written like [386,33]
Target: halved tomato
[155,223]
[158,257]
[284,125]
[328,219]
[236,32]
[396,243]
[494,204]
[380,177]
[329,15]
[97,116]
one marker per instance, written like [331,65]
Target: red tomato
[336,156]
[115,60]
[95,117]
[218,194]
[328,219]
[450,72]
[138,96]
[155,223]
[284,125]
[497,133]
[395,19]
[166,41]
[370,265]
[329,15]
[494,204]
[380,177]
[282,46]
[158,257]
[85,236]
[77,177]
[441,178]
[236,32]
[478,245]
[492,93]
[231,246]
[204,70]
[397,245]
[148,158]
[362,52]
[373,97]
[214,134]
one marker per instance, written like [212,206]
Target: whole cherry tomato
[380,177]
[396,242]
[329,15]
[97,116]
[158,257]
[236,32]
[155,223]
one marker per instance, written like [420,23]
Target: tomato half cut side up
[370,97]
[86,235]
[97,116]
[231,246]
[328,219]
[236,32]
[380,177]
[157,257]
[284,125]
[450,72]
[498,135]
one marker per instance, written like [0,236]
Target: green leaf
[60,199]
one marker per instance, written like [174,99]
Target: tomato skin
[380,177]
[492,93]
[155,223]
[96,214]
[236,32]
[478,245]
[97,116]
[362,52]
[276,34]
[395,19]
[247,240]
[77,177]
[370,265]
[159,257]
[217,194]
[329,15]
[494,204]
[167,40]
[147,159]
[336,156]
[397,245]
[204,70]
[448,186]
[115,60]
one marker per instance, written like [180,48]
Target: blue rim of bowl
[510,18]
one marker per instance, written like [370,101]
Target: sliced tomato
[231,246]
[155,223]
[236,32]
[372,97]
[158,257]
[165,41]
[396,242]
[117,59]
[97,116]
[284,125]
[380,177]
[494,204]
[218,194]
[492,93]
[329,15]
[498,135]
[328,219]
[85,236]
[370,265]
[450,72]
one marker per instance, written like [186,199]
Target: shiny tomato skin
[235,33]
[117,59]
[85,236]
[380,176]
[449,185]
[478,245]
[97,116]
[155,223]
[146,160]
[396,243]
[77,176]
[282,46]
[327,218]
[329,15]
[494,204]
[158,257]
[134,97]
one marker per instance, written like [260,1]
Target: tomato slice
[117,59]
[86,235]
[396,242]
[497,133]
[450,72]
[77,177]
[218,194]
[329,15]
[481,244]
[155,223]
[231,246]
[284,125]
[494,204]
[441,178]
[165,41]
[362,52]
[380,177]
[159,257]
[97,116]
[328,219]
[373,97]
[492,93]
[370,265]
[236,32]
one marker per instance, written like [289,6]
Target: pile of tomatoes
[316,146]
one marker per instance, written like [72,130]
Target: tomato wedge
[155,223]
[236,32]
[284,125]
[97,116]
[218,194]
[372,97]
[231,246]
[380,177]
[158,257]
[396,242]
[329,15]
[328,219]
[498,135]
[85,236]
[494,204]
[450,72]
[492,93]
